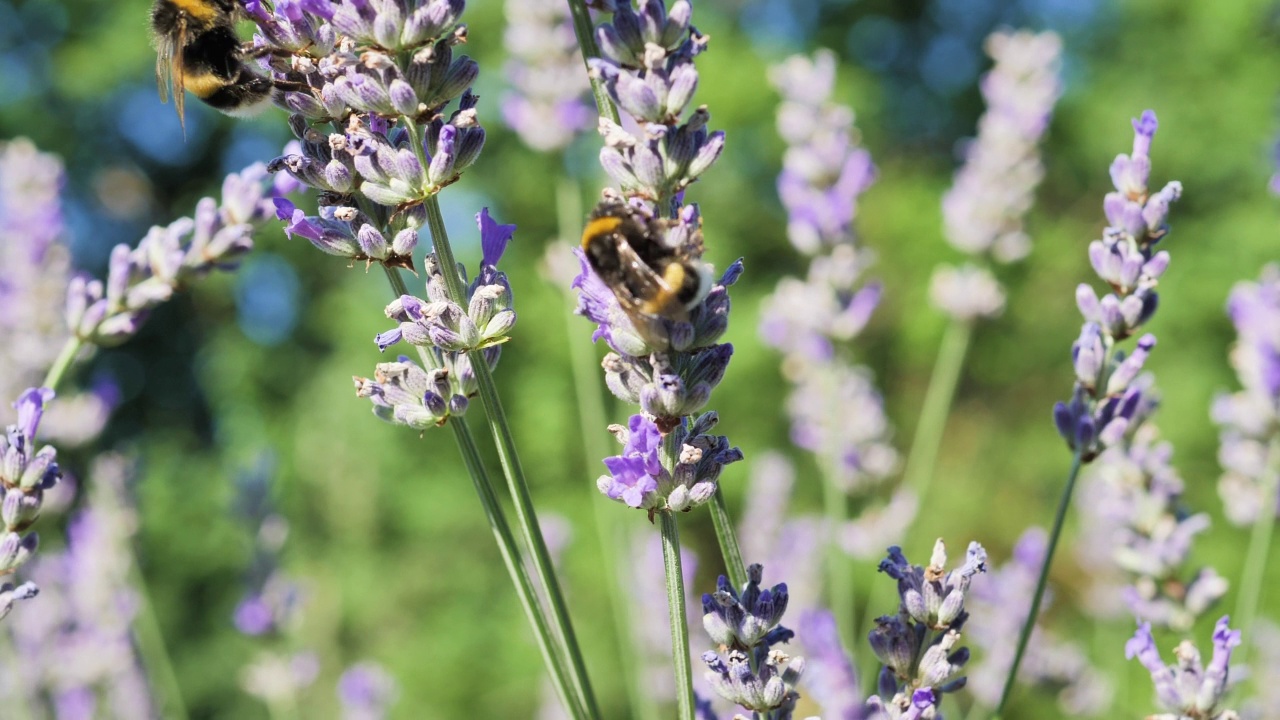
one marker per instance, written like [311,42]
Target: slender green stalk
[937,406]
[507,545]
[155,655]
[66,356]
[1059,519]
[592,421]
[517,483]
[1255,564]
[585,32]
[736,569]
[675,604]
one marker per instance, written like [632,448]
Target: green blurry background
[385,529]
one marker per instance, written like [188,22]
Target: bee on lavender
[650,278]
[197,49]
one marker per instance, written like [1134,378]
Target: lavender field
[576,359]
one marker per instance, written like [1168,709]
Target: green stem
[151,646]
[1059,519]
[1255,564]
[63,362]
[507,544]
[586,34]
[728,540]
[592,420]
[937,406]
[675,604]
[517,483]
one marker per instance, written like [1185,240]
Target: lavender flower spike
[638,479]
[25,474]
[1250,419]
[745,623]
[406,393]
[918,645]
[546,108]
[1187,688]
[982,212]
[1127,260]
[367,692]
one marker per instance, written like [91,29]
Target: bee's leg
[292,86]
[259,51]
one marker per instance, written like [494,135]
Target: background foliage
[384,527]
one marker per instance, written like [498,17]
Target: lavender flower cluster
[836,410]
[546,108]
[982,212]
[383,78]
[749,671]
[1106,398]
[918,646]
[1250,418]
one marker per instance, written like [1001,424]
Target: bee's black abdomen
[216,51]
[242,95]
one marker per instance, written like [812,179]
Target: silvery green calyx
[744,624]
[215,238]
[1105,398]
[1188,689]
[918,645]
[25,473]
[637,478]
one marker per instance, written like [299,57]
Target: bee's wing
[169,75]
[643,291]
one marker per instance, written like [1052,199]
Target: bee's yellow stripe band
[599,226]
[199,9]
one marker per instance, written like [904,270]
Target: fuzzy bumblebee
[651,279]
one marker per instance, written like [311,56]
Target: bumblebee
[650,278]
[198,50]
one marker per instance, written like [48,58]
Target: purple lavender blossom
[546,109]
[994,189]
[668,365]
[76,644]
[25,474]
[750,671]
[108,313]
[1105,399]
[1187,688]
[638,479]
[917,646]
[405,393]
[1250,419]
[1050,662]
[366,691]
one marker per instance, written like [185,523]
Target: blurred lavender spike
[77,643]
[546,107]
[1249,419]
[366,692]
[1188,688]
